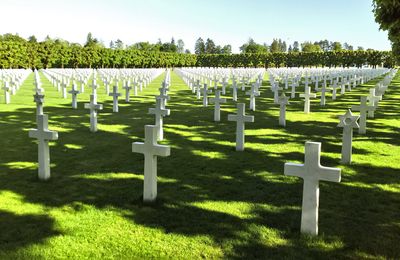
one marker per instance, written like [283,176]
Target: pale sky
[224,21]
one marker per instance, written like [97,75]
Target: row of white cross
[311,171]
[11,81]
[44,135]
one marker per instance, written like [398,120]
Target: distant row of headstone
[11,80]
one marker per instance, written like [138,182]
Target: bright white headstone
[311,172]
[363,108]
[307,95]
[217,100]
[43,134]
[241,118]
[348,122]
[151,150]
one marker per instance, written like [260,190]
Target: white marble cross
[342,87]
[363,108]
[283,100]
[348,121]
[74,92]
[311,172]
[64,89]
[6,89]
[198,91]
[127,87]
[307,95]
[372,101]
[334,87]
[164,97]
[276,89]
[107,86]
[38,98]
[82,85]
[135,85]
[151,150]
[234,90]
[205,94]
[217,100]
[94,87]
[159,111]
[43,134]
[93,106]
[115,96]
[253,93]
[224,84]
[293,93]
[323,95]
[241,118]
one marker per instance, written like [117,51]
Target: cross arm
[330,174]
[294,169]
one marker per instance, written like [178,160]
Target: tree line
[17,52]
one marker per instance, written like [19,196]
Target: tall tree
[210,46]
[296,46]
[180,46]
[199,47]
[227,49]
[387,14]
[336,46]
[119,45]
[275,46]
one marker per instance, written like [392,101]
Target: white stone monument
[205,94]
[241,118]
[44,135]
[253,93]
[115,96]
[127,88]
[151,150]
[283,100]
[373,100]
[94,107]
[74,92]
[6,89]
[38,98]
[348,122]
[217,100]
[311,172]
[363,108]
[159,113]
[307,95]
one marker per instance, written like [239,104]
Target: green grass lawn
[213,202]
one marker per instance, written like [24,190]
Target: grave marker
[115,96]
[348,122]
[151,150]
[44,135]
[159,113]
[217,100]
[283,100]
[311,172]
[307,95]
[74,92]
[93,106]
[241,118]
[363,108]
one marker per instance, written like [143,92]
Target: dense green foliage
[387,14]
[299,59]
[17,52]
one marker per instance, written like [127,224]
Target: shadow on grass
[102,171]
[23,230]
